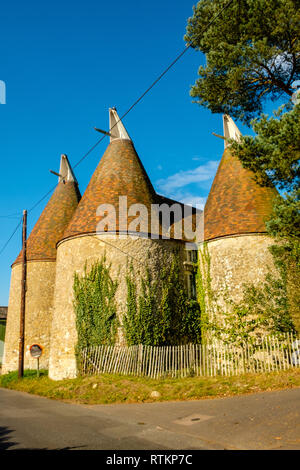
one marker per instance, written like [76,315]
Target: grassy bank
[125,389]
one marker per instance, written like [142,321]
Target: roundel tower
[234,226]
[40,279]
[113,219]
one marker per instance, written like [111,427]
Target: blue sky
[64,64]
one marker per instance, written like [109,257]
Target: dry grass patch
[105,388]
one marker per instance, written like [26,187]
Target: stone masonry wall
[238,260]
[38,310]
[72,255]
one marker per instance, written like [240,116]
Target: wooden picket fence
[215,358]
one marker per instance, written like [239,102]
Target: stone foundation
[72,255]
[38,311]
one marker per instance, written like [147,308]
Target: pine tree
[252,53]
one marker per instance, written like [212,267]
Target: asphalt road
[259,421]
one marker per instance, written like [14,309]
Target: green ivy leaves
[161,312]
[95,306]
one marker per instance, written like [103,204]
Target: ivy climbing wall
[72,257]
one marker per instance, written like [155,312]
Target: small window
[191,256]
[191,285]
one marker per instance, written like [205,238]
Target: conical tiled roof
[119,173]
[236,203]
[41,244]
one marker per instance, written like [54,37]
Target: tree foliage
[252,52]
[273,154]
[263,309]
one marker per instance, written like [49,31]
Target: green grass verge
[107,388]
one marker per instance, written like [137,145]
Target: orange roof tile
[236,203]
[41,244]
[119,173]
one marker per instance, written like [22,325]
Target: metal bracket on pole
[104,132]
[218,135]
[57,174]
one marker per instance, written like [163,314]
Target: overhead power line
[165,71]
[143,94]
[156,80]
[7,242]
[42,198]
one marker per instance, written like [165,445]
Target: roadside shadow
[5,442]
[45,449]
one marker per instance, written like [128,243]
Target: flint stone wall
[38,314]
[238,260]
[72,255]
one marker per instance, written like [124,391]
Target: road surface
[258,421]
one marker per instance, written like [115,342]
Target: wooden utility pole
[23,297]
